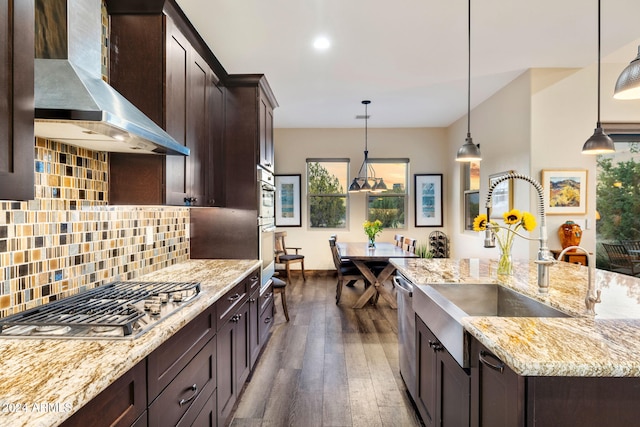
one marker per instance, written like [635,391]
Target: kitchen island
[529,371]
[606,345]
[44,381]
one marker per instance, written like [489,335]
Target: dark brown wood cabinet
[443,389]
[249,104]
[500,397]
[122,404]
[261,318]
[16,99]
[154,65]
[234,355]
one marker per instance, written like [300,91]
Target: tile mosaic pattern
[69,239]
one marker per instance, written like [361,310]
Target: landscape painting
[565,191]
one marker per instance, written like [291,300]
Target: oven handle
[268,187]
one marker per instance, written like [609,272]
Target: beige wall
[425,147]
[539,121]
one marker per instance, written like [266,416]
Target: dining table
[373,263]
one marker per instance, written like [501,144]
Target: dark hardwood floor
[331,365]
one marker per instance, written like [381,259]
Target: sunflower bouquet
[514,221]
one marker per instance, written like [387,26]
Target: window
[471,192]
[327,192]
[390,205]
[617,199]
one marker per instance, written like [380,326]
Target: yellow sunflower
[480,222]
[512,217]
[528,221]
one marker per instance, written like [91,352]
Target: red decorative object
[570,234]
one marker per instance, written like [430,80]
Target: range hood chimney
[72,102]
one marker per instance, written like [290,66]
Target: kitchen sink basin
[441,306]
[494,300]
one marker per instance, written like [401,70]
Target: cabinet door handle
[252,300]
[435,345]
[496,367]
[267,320]
[235,318]
[190,398]
[234,297]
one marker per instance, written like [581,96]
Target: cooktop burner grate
[118,309]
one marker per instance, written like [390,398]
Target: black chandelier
[366,179]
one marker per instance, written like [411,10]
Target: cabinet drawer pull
[234,297]
[497,367]
[190,398]
[267,320]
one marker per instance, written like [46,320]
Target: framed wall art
[565,191]
[287,203]
[428,200]
[502,197]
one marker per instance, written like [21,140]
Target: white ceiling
[409,57]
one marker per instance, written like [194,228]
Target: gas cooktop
[116,310]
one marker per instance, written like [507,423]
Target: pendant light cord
[469,75]
[599,125]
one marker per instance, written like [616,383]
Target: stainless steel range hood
[72,102]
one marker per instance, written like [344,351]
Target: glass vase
[505,263]
[372,242]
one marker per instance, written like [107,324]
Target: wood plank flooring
[331,365]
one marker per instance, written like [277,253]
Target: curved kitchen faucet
[593,295]
[544,258]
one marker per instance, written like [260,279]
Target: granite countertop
[44,381]
[605,345]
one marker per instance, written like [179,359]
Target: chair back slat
[410,244]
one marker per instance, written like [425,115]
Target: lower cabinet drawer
[120,404]
[171,357]
[266,321]
[207,416]
[195,382]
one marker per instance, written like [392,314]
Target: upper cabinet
[154,65]
[16,99]
[248,136]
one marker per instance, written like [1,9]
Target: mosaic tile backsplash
[69,239]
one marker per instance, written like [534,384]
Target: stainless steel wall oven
[266,222]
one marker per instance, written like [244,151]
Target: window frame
[390,160]
[344,195]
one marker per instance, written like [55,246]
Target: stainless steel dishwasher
[406,332]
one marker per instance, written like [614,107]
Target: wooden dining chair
[410,245]
[620,261]
[283,256]
[398,239]
[346,270]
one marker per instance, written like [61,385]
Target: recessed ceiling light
[321,43]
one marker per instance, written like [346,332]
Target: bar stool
[280,287]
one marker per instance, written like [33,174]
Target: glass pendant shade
[598,143]
[469,152]
[628,84]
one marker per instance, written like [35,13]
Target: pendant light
[469,152]
[366,172]
[599,142]
[628,84]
